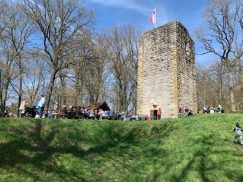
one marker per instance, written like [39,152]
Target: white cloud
[127,4]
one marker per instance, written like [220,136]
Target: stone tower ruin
[166,71]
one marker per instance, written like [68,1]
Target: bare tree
[206,88]
[239,11]
[60,22]
[17,32]
[222,38]
[81,69]
[1,62]
[2,5]
[96,69]
[124,50]
[7,75]
[35,74]
[14,38]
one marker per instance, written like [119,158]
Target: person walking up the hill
[238,134]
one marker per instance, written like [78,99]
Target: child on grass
[238,134]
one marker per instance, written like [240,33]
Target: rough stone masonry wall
[186,74]
[161,70]
[156,71]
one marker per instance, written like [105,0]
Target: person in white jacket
[42,105]
[22,108]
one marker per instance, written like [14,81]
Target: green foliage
[192,149]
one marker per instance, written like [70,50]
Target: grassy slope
[190,149]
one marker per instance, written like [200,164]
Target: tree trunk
[5,97]
[20,85]
[63,91]
[50,89]
[1,102]
[77,90]
[231,90]
[5,88]
[221,98]
[1,92]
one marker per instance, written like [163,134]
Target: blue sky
[111,13]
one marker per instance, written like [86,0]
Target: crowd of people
[71,112]
[37,110]
[209,109]
[83,113]
[7,112]
[78,112]
[184,111]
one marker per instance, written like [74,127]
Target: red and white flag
[153,17]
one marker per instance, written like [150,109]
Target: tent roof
[98,105]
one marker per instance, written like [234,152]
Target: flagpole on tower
[153,18]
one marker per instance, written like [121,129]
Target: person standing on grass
[41,105]
[159,114]
[22,108]
[37,109]
[238,134]
[100,114]
[92,114]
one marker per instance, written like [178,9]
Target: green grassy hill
[191,149]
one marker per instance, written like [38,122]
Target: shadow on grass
[199,156]
[38,144]
[201,163]
[240,178]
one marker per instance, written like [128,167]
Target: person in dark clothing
[238,134]
[190,113]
